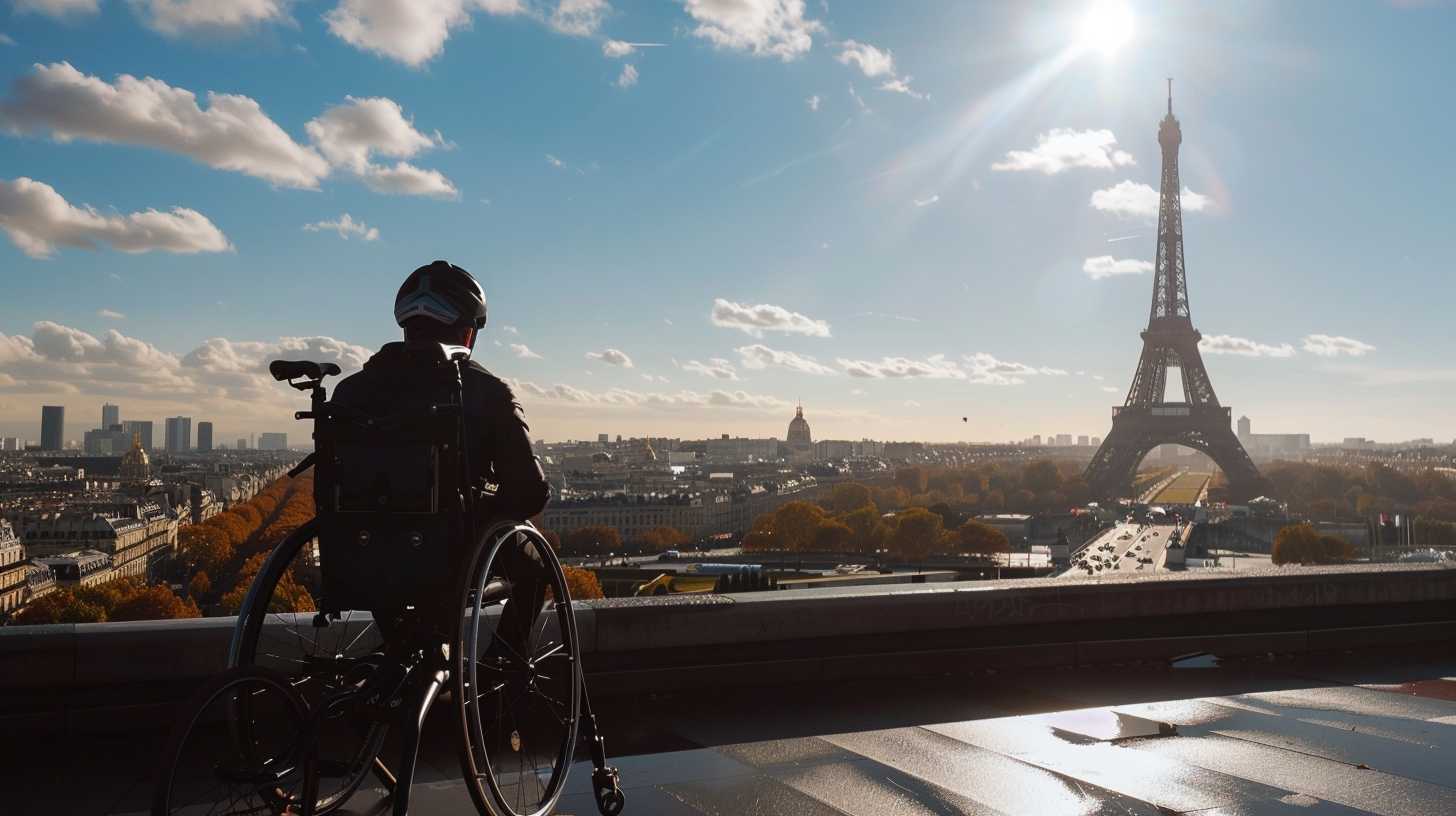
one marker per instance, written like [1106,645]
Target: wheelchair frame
[398,683]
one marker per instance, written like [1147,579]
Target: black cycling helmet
[442,292]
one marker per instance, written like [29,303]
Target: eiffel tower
[1146,420]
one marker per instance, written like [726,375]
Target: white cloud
[1106,266]
[38,219]
[813,102]
[233,133]
[1111,389]
[759,356]
[871,61]
[935,367]
[6,39]
[351,134]
[902,85]
[1131,198]
[623,397]
[911,404]
[1063,149]
[717,368]
[346,227]
[1326,345]
[874,62]
[1243,347]
[176,17]
[985,369]
[58,8]
[627,78]
[410,31]
[616,49]
[110,314]
[578,18]
[403,178]
[222,375]
[757,319]
[611,356]
[926,202]
[655,378]
[523,352]
[858,100]
[554,162]
[510,330]
[773,28]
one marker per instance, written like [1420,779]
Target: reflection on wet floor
[1247,737]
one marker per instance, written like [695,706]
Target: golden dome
[136,466]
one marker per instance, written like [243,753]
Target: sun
[1106,28]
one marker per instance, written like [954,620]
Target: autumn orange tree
[597,539]
[978,538]
[917,534]
[665,538]
[582,584]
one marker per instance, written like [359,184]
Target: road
[1185,489]
[1126,546]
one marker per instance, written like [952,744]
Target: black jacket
[495,427]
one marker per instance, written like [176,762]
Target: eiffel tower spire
[1146,419]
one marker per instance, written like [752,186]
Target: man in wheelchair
[441,305]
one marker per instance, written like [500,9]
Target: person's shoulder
[489,384]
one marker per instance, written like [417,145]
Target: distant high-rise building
[242,443]
[1096,441]
[179,434]
[1245,427]
[52,427]
[141,428]
[273,441]
[10,443]
[110,415]
[204,436]
[1036,440]
[602,439]
[1064,440]
[1082,441]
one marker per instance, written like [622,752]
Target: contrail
[1122,238]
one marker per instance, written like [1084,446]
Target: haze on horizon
[690,217]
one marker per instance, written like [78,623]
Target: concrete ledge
[85,677]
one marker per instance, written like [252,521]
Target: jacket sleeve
[522,490]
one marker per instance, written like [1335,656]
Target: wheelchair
[408,599]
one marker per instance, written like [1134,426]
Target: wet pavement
[1369,732]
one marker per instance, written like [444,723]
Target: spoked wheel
[517,687]
[208,771]
[321,658]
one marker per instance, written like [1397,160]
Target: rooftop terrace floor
[1366,732]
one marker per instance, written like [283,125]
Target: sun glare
[1106,28]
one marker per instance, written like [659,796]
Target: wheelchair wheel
[278,630]
[518,693]
[207,769]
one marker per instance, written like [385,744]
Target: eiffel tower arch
[1146,420]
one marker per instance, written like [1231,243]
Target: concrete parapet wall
[87,676]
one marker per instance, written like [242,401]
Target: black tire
[207,769]
[318,662]
[518,723]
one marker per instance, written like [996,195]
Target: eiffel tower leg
[1109,475]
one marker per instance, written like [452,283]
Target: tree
[664,538]
[597,539]
[760,537]
[850,497]
[1041,476]
[582,584]
[866,530]
[155,602]
[200,586]
[832,535]
[795,525]
[981,539]
[1295,544]
[1333,550]
[916,534]
[61,606]
[911,479]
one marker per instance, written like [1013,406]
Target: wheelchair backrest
[390,487]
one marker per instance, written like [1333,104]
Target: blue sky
[885,210]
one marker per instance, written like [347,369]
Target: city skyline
[900,220]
